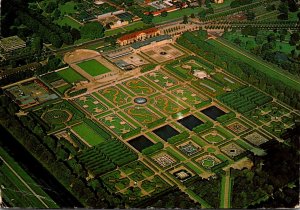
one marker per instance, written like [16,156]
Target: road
[22,180]
[226,190]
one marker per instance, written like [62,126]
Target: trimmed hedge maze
[106,156]
[245,99]
[57,116]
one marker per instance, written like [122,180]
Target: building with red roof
[138,36]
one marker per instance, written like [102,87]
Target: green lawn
[67,8]
[134,26]
[177,14]
[70,75]
[93,67]
[113,32]
[88,134]
[62,89]
[68,21]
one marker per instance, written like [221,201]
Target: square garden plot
[256,138]
[214,136]
[140,143]
[208,161]
[164,160]
[166,132]
[232,150]
[190,122]
[189,148]
[213,112]
[236,126]
[182,173]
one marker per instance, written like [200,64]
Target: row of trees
[270,46]
[283,91]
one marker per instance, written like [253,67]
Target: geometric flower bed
[232,150]
[237,127]
[208,161]
[255,138]
[163,159]
[189,148]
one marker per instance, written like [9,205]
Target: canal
[37,172]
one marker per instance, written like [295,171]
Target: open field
[93,67]
[88,134]
[70,75]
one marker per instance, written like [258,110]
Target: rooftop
[138,45]
[135,34]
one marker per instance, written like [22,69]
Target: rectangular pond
[190,122]
[213,112]
[140,143]
[166,132]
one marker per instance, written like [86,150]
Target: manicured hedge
[148,67]
[131,133]
[156,122]
[203,127]
[182,136]
[226,117]
[153,148]
[77,92]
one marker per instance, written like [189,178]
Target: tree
[92,30]
[147,18]
[202,34]
[295,37]
[51,7]
[75,33]
[185,19]
[55,40]
[202,14]
[250,15]
[164,14]
[283,9]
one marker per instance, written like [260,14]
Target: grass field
[93,67]
[113,32]
[271,70]
[67,8]
[70,75]
[68,21]
[177,14]
[88,134]
[134,26]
